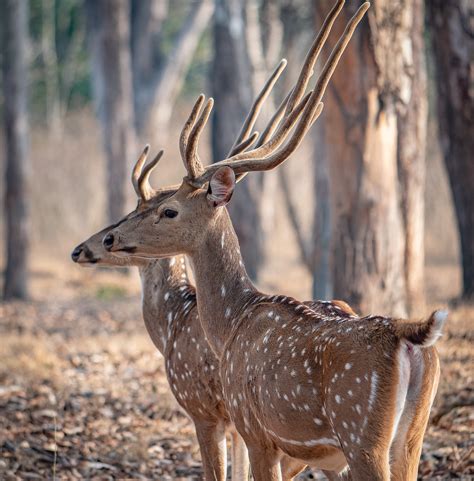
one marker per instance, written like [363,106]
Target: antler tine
[274,121]
[145,190]
[183,138]
[257,106]
[193,163]
[242,147]
[337,52]
[137,169]
[245,144]
[312,56]
[270,157]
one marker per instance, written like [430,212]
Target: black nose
[108,241]
[76,253]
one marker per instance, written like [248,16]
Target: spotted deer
[171,319]
[170,316]
[334,391]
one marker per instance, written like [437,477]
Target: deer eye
[170,213]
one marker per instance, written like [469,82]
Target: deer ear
[221,187]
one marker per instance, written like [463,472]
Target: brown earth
[83,394]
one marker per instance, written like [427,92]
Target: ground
[83,394]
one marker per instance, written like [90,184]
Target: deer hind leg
[264,463]
[240,458]
[406,447]
[364,418]
[212,444]
[365,465]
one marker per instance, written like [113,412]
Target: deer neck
[161,296]
[222,284]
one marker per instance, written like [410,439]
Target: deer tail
[422,333]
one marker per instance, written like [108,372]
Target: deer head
[181,223]
[92,251]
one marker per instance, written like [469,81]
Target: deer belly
[325,457]
[335,461]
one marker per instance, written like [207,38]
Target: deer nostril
[76,253]
[108,241]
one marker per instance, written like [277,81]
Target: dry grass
[30,358]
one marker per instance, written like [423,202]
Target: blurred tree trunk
[157,79]
[50,60]
[94,45]
[14,46]
[412,110]
[376,231]
[321,260]
[452,38]
[232,90]
[321,255]
[108,24]
[147,17]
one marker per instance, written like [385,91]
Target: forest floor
[83,393]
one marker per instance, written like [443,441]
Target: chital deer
[170,316]
[334,391]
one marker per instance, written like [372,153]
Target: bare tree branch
[159,97]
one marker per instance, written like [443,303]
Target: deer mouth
[89,261]
[126,250]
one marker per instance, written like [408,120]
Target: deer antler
[141,177]
[193,162]
[146,191]
[268,154]
[257,107]
[137,169]
[183,138]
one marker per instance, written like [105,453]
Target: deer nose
[76,253]
[108,241]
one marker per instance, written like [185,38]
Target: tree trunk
[321,231]
[147,17]
[51,72]
[453,46]
[108,22]
[94,46]
[15,40]
[233,93]
[366,143]
[157,79]
[412,110]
